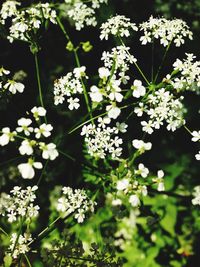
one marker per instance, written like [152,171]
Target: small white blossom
[26,147]
[43,130]
[134,200]
[104,73]
[38,112]
[113,111]
[197,156]
[14,87]
[141,145]
[49,151]
[95,94]
[122,184]
[138,89]
[196,194]
[196,136]
[19,245]
[142,170]
[24,126]
[73,103]
[6,136]
[27,169]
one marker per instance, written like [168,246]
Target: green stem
[39,83]
[135,63]
[3,231]
[78,65]
[83,85]
[27,260]
[162,62]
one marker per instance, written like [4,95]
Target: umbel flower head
[75,201]
[117,26]
[19,203]
[167,31]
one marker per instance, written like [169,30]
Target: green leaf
[169,221]
[7,260]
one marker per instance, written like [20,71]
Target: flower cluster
[118,61]
[165,30]
[20,244]
[69,85]
[75,201]
[8,10]
[25,129]
[19,203]
[112,76]
[161,107]
[26,20]
[82,14]
[102,140]
[188,72]
[133,186]
[196,194]
[11,85]
[117,26]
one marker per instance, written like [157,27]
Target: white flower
[73,103]
[49,151]
[104,73]
[26,147]
[44,129]
[96,94]
[79,72]
[38,112]
[14,87]
[27,169]
[142,170]
[197,156]
[122,184]
[113,111]
[116,202]
[134,200]
[3,71]
[141,145]
[196,194]
[138,89]
[122,127]
[147,126]
[24,126]
[196,136]
[7,136]
[115,90]
[159,180]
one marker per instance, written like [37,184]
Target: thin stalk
[78,65]
[39,83]
[96,117]
[66,155]
[3,231]
[45,230]
[27,260]
[135,63]
[162,62]
[18,234]
[43,170]
[83,85]
[187,129]
[152,61]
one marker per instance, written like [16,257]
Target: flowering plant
[104,126]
